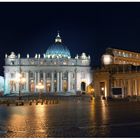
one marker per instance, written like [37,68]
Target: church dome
[58,50]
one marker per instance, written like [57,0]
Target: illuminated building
[124,56]
[56,70]
[119,75]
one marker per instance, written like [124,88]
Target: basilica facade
[56,70]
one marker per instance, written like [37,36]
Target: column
[114,83]
[6,83]
[17,84]
[57,81]
[52,82]
[118,83]
[38,77]
[68,81]
[136,87]
[44,81]
[133,87]
[129,88]
[38,80]
[35,80]
[76,80]
[121,83]
[61,82]
[124,87]
[27,82]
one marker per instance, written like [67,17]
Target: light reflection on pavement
[71,119]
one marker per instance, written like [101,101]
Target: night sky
[84,27]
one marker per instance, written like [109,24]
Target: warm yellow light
[107,59]
[23,80]
[18,76]
[40,86]
[102,88]
[92,90]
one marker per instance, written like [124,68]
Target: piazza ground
[71,118]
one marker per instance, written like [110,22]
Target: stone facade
[123,56]
[56,70]
[126,77]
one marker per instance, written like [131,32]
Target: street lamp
[40,86]
[102,88]
[102,93]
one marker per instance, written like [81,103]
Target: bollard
[42,103]
[8,104]
[16,103]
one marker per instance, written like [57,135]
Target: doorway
[83,86]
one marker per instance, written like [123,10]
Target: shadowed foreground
[71,118]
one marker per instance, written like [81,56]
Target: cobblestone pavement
[71,119]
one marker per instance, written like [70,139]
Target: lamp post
[102,89]
[40,86]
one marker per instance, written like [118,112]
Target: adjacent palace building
[119,74]
[55,72]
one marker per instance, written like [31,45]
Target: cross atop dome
[58,38]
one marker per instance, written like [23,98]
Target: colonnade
[59,81]
[130,86]
[53,81]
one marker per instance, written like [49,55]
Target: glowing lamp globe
[107,59]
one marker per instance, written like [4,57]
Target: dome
[58,50]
